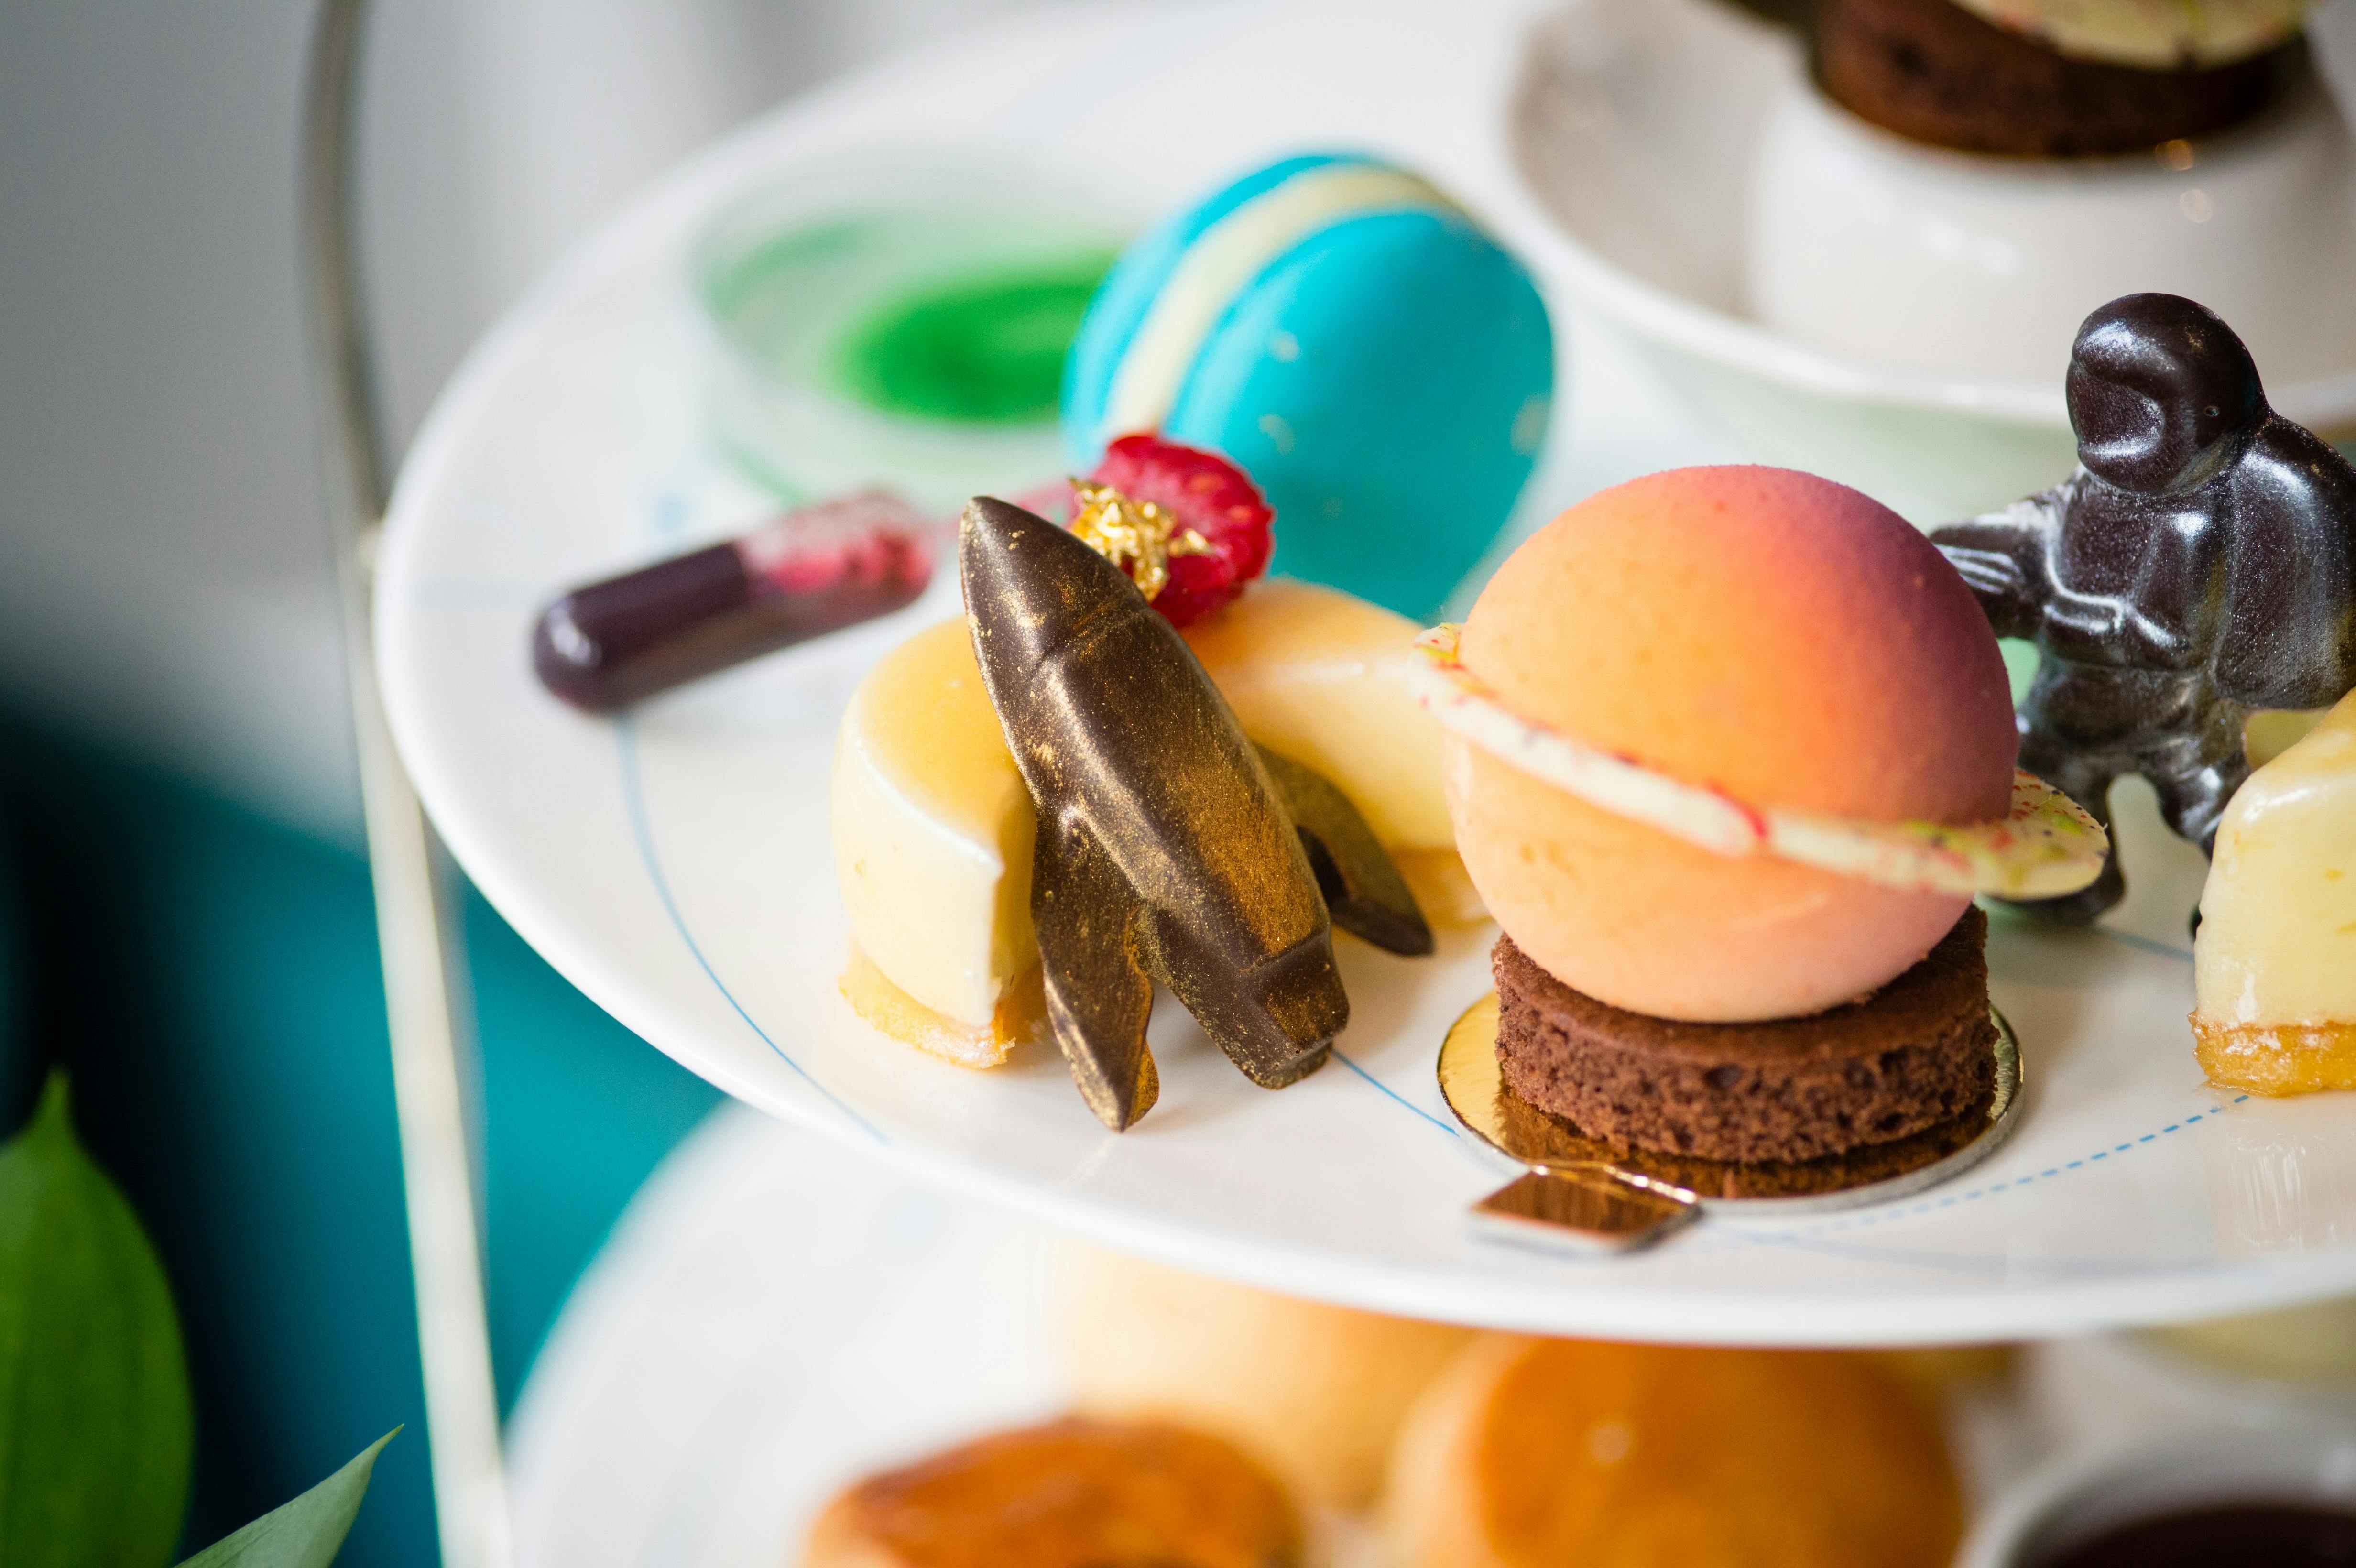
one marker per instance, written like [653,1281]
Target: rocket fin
[1099,993]
[1364,891]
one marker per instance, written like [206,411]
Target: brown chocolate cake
[1914,1054]
[1931,70]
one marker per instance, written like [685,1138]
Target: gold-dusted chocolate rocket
[1165,850]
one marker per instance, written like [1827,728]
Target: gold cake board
[1580,1192]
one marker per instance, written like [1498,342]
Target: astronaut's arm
[2005,558]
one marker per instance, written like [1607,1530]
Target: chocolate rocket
[1165,849]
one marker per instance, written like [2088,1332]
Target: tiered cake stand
[675,864]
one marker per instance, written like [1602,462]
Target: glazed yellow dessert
[933,827]
[932,849]
[2275,960]
[1531,1454]
[1312,1392]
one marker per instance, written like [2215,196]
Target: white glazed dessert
[2275,960]
[1907,257]
[933,827]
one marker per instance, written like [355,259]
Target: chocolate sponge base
[1932,71]
[1915,1054]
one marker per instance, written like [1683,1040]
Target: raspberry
[1207,494]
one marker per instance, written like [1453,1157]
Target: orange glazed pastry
[1070,1494]
[1541,1454]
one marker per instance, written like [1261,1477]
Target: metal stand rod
[420,979]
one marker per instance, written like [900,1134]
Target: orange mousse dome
[1773,634]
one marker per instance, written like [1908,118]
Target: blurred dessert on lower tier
[1219,1424]
[1533,1453]
[2274,957]
[2309,1350]
[1936,1371]
[1069,1494]
[1315,1392]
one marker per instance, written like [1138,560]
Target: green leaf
[304,1534]
[94,1419]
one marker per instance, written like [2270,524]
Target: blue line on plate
[1869,1217]
[626,745]
[1394,1095]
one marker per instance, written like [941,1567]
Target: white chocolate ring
[2044,848]
[2149,34]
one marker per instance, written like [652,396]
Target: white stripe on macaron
[1225,257]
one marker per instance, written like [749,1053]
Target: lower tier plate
[738,1353]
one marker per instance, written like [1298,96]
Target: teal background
[210,979]
[16,1062]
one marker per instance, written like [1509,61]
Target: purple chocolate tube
[610,643]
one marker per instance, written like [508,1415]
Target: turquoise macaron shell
[1386,381]
[1129,290]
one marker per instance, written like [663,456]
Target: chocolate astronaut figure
[2200,564]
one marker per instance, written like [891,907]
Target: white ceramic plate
[676,866]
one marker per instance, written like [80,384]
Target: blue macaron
[1381,366]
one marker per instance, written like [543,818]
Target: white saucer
[676,866]
[1639,125]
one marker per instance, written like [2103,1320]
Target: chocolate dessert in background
[1932,71]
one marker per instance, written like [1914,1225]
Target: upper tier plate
[676,866]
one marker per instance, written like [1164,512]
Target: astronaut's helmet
[2162,393]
